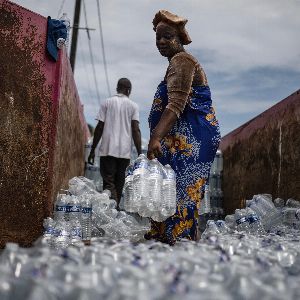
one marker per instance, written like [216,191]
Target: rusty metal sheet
[262,156]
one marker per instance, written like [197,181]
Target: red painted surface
[280,111]
[262,156]
[42,125]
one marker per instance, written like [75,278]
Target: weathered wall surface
[33,94]
[71,132]
[263,155]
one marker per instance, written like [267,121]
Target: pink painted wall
[42,127]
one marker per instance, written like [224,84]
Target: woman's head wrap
[175,21]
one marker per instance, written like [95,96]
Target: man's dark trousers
[112,170]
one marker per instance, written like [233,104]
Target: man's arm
[136,135]
[97,136]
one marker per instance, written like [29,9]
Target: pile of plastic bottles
[261,216]
[233,260]
[81,213]
[150,189]
[72,215]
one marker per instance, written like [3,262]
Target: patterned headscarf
[175,21]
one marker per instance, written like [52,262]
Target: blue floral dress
[189,148]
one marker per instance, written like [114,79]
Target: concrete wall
[42,128]
[263,155]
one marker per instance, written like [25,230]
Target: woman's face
[167,40]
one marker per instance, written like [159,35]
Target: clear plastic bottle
[61,239]
[205,203]
[75,231]
[230,221]
[241,220]
[219,162]
[168,192]
[86,218]
[60,207]
[279,203]
[66,21]
[270,216]
[211,230]
[155,179]
[292,203]
[258,209]
[140,182]
[73,211]
[49,225]
[128,189]
[255,226]
[222,226]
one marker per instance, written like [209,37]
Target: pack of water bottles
[72,215]
[150,189]
[81,212]
[224,265]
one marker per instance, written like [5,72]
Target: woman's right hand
[154,148]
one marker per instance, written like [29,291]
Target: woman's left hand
[154,148]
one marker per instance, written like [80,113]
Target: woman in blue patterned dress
[184,131]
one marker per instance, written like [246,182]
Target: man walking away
[118,123]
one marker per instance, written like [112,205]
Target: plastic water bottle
[205,202]
[257,208]
[60,207]
[75,231]
[73,211]
[168,192]
[219,161]
[61,237]
[291,216]
[140,182]
[128,189]
[279,203]
[222,227]
[66,21]
[254,222]
[292,203]
[241,220]
[230,221]
[270,214]
[48,225]
[211,230]
[155,187]
[86,218]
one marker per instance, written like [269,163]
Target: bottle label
[86,210]
[62,232]
[253,219]
[61,208]
[73,208]
[49,230]
[155,171]
[76,232]
[129,172]
[241,220]
[220,223]
[141,165]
